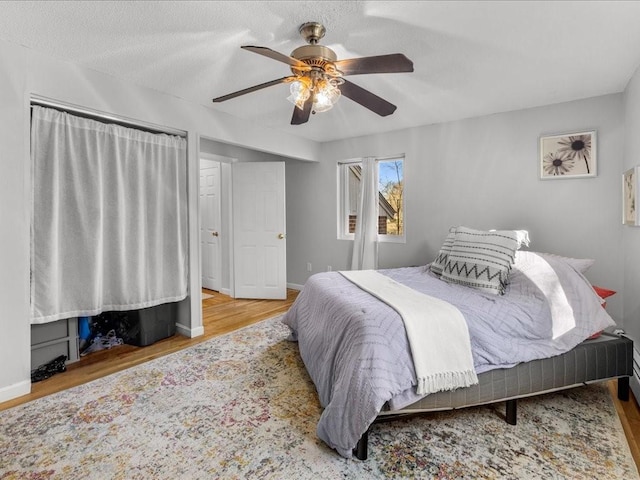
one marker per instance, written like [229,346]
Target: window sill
[383,239]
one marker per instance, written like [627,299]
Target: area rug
[206,296]
[242,406]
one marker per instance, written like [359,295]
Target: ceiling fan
[318,76]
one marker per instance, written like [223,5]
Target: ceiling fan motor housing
[314,55]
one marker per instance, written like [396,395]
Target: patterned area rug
[242,406]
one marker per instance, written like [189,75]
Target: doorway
[210,223]
[233,211]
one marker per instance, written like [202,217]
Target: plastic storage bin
[148,325]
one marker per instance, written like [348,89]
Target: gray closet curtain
[109,220]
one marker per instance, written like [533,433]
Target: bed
[523,343]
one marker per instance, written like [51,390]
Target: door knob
[281,236]
[215,234]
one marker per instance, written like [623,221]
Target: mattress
[606,357]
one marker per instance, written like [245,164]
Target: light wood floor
[629,413]
[222,314]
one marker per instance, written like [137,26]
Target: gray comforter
[356,351]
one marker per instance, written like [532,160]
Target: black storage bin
[148,325]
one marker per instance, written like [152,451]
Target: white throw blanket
[436,330]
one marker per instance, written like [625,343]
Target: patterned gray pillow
[482,259]
[441,260]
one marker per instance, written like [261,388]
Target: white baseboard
[294,286]
[189,332]
[14,391]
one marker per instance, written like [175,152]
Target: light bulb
[326,96]
[299,93]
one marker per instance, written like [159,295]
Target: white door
[259,237]
[210,224]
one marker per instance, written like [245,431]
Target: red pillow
[602,293]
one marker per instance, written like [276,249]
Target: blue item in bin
[84,332]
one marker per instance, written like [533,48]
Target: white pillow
[574,307]
[579,264]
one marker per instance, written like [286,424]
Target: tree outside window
[391,188]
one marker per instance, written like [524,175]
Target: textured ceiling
[470,58]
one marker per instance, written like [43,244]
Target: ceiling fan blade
[367,99]
[393,63]
[302,116]
[254,88]
[267,52]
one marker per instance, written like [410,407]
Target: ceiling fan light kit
[323,88]
[317,82]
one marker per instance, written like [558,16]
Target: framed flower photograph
[570,155]
[630,196]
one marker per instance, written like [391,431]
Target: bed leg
[512,410]
[623,388]
[361,447]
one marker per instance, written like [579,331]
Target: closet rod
[102,116]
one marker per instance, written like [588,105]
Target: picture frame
[568,155]
[630,190]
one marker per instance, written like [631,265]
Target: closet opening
[109,233]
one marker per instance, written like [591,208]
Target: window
[391,222]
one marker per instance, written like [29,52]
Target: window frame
[343,199]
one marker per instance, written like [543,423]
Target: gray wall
[631,235]
[482,173]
